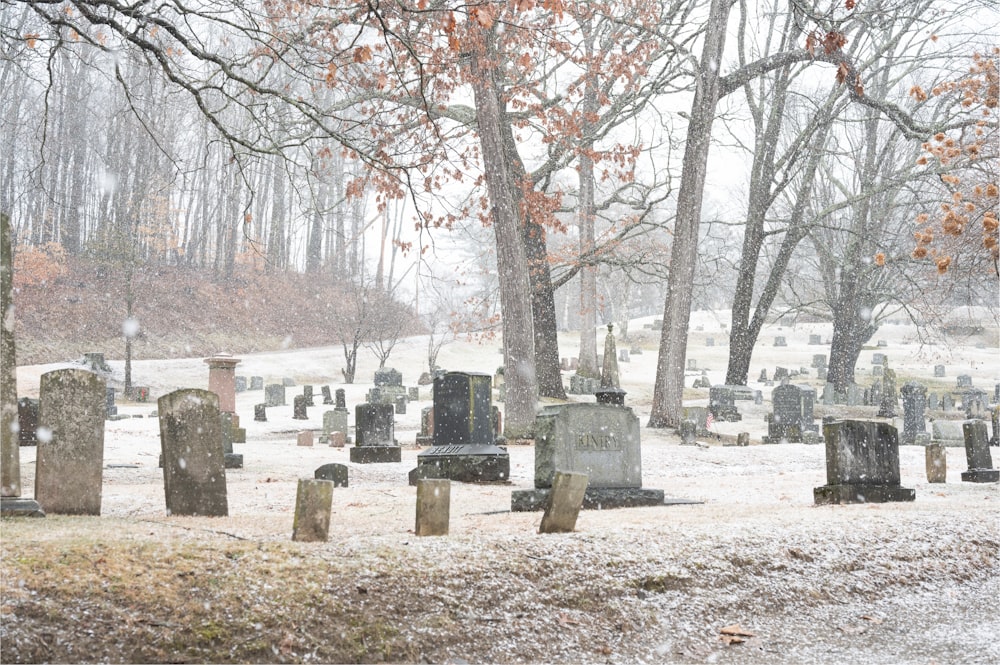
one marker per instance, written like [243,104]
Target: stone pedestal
[222,380]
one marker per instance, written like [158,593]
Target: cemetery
[794,512]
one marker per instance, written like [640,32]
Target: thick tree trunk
[543,313]
[852,328]
[512,263]
[10,458]
[668,392]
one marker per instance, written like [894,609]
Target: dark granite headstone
[722,404]
[274,394]
[977,453]
[194,475]
[241,384]
[327,395]
[299,411]
[464,440]
[260,413]
[819,360]
[111,409]
[792,414]
[70,455]
[890,400]
[815,340]
[388,376]
[256,383]
[780,341]
[27,421]
[862,464]
[964,381]
[341,399]
[374,427]
[336,473]
[307,392]
[938,371]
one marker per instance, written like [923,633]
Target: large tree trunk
[543,313]
[852,328]
[512,263]
[10,459]
[668,393]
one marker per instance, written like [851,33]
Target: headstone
[260,413]
[692,364]
[938,371]
[433,506]
[304,438]
[111,409]
[609,368]
[878,359]
[231,434]
[709,341]
[70,456]
[299,411]
[829,395]
[400,405]
[274,394]
[563,505]
[287,381]
[374,428]
[936,462]
[623,356]
[722,404]
[425,379]
[27,421]
[819,360]
[763,376]
[964,381]
[341,399]
[914,405]
[821,373]
[977,454]
[947,402]
[564,364]
[743,439]
[337,439]
[335,473]
[599,440]
[413,394]
[995,417]
[815,340]
[975,402]
[689,431]
[464,442]
[222,380]
[780,341]
[327,395]
[948,433]
[307,392]
[758,397]
[256,383]
[426,435]
[854,394]
[614,396]
[388,376]
[882,344]
[194,475]
[932,402]
[780,374]
[95,361]
[862,464]
[241,384]
[887,407]
[313,505]
[792,414]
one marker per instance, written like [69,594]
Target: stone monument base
[981,476]
[595,499]
[16,507]
[834,494]
[464,463]
[233,461]
[376,454]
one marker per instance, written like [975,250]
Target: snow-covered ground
[757,516]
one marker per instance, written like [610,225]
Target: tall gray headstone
[274,394]
[374,427]
[194,474]
[598,440]
[862,464]
[70,458]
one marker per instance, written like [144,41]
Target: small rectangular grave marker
[977,453]
[313,503]
[304,438]
[433,507]
[564,503]
[936,462]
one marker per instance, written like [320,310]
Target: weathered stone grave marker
[936,462]
[433,506]
[274,394]
[70,458]
[914,405]
[722,404]
[792,414]
[862,464]
[335,473]
[194,475]
[977,454]
[563,505]
[313,503]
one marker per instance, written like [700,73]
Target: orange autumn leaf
[880,259]
[31,39]
[362,54]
